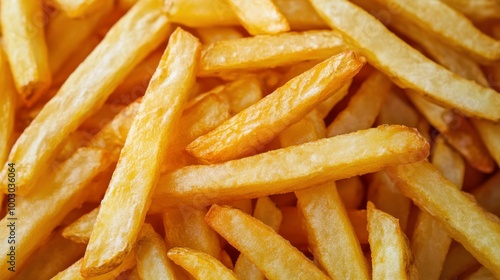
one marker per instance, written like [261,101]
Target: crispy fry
[152,260]
[363,107]
[80,8]
[396,111]
[267,19]
[300,14]
[248,53]
[242,93]
[87,89]
[395,58]
[477,10]
[200,265]
[7,108]
[24,42]
[303,131]
[210,35]
[80,230]
[490,133]
[293,168]
[153,127]
[244,134]
[391,255]
[433,193]
[200,13]
[275,257]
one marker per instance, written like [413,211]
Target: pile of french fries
[257,139]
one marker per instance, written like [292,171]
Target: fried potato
[351,192]
[80,230]
[488,194]
[395,58]
[390,251]
[210,35]
[267,19]
[337,251]
[458,261]
[490,133]
[90,85]
[244,134]
[292,227]
[363,107]
[24,42]
[200,265]
[200,13]
[7,109]
[137,170]
[247,54]
[293,168]
[80,8]
[300,14]
[478,10]
[275,257]
[433,193]
[151,256]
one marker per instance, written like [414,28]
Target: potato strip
[259,16]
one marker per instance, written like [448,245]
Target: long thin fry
[24,42]
[7,109]
[130,40]
[274,255]
[300,14]
[244,134]
[464,220]
[80,230]
[137,170]
[267,19]
[200,13]
[395,58]
[292,168]
[80,8]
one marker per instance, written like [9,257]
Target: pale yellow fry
[80,230]
[242,93]
[54,256]
[210,35]
[200,13]
[464,220]
[65,35]
[302,131]
[451,27]
[270,252]
[200,265]
[73,272]
[490,133]
[300,15]
[244,134]
[7,108]
[410,69]
[135,35]
[259,17]
[293,168]
[363,107]
[260,52]
[477,10]
[152,260]
[481,274]
[390,251]
[137,171]
[430,241]
[267,212]
[24,42]
[337,250]
[80,8]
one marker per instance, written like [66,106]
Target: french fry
[210,35]
[363,107]
[80,8]
[80,230]
[243,134]
[351,191]
[242,93]
[109,62]
[390,251]
[337,251]
[300,14]
[54,256]
[303,131]
[433,193]
[24,43]
[430,241]
[153,126]
[275,257]
[448,27]
[395,58]
[200,13]
[455,128]
[267,19]
[7,109]
[488,194]
[396,111]
[215,183]
[490,133]
[199,264]
[458,261]
[151,256]
[326,106]
[476,10]
[267,212]
[220,57]
[292,227]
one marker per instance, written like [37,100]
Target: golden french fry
[337,251]
[153,127]
[152,260]
[375,149]
[55,255]
[303,131]
[292,227]
[275,257]
[395,58]
[433,193]
[478,10]
[24,42]
[267,19]
[300,14]
[80,8]
[430,241]
[210,35]
[7,109]
[200,13]
[260,52]
[390,251]
[326,106]
[267,212]
[363,107]
[123,47]
[200,265]
[242,93]
[80,230]
[396,111]
[244,134]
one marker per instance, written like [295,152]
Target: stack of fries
[250,139]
